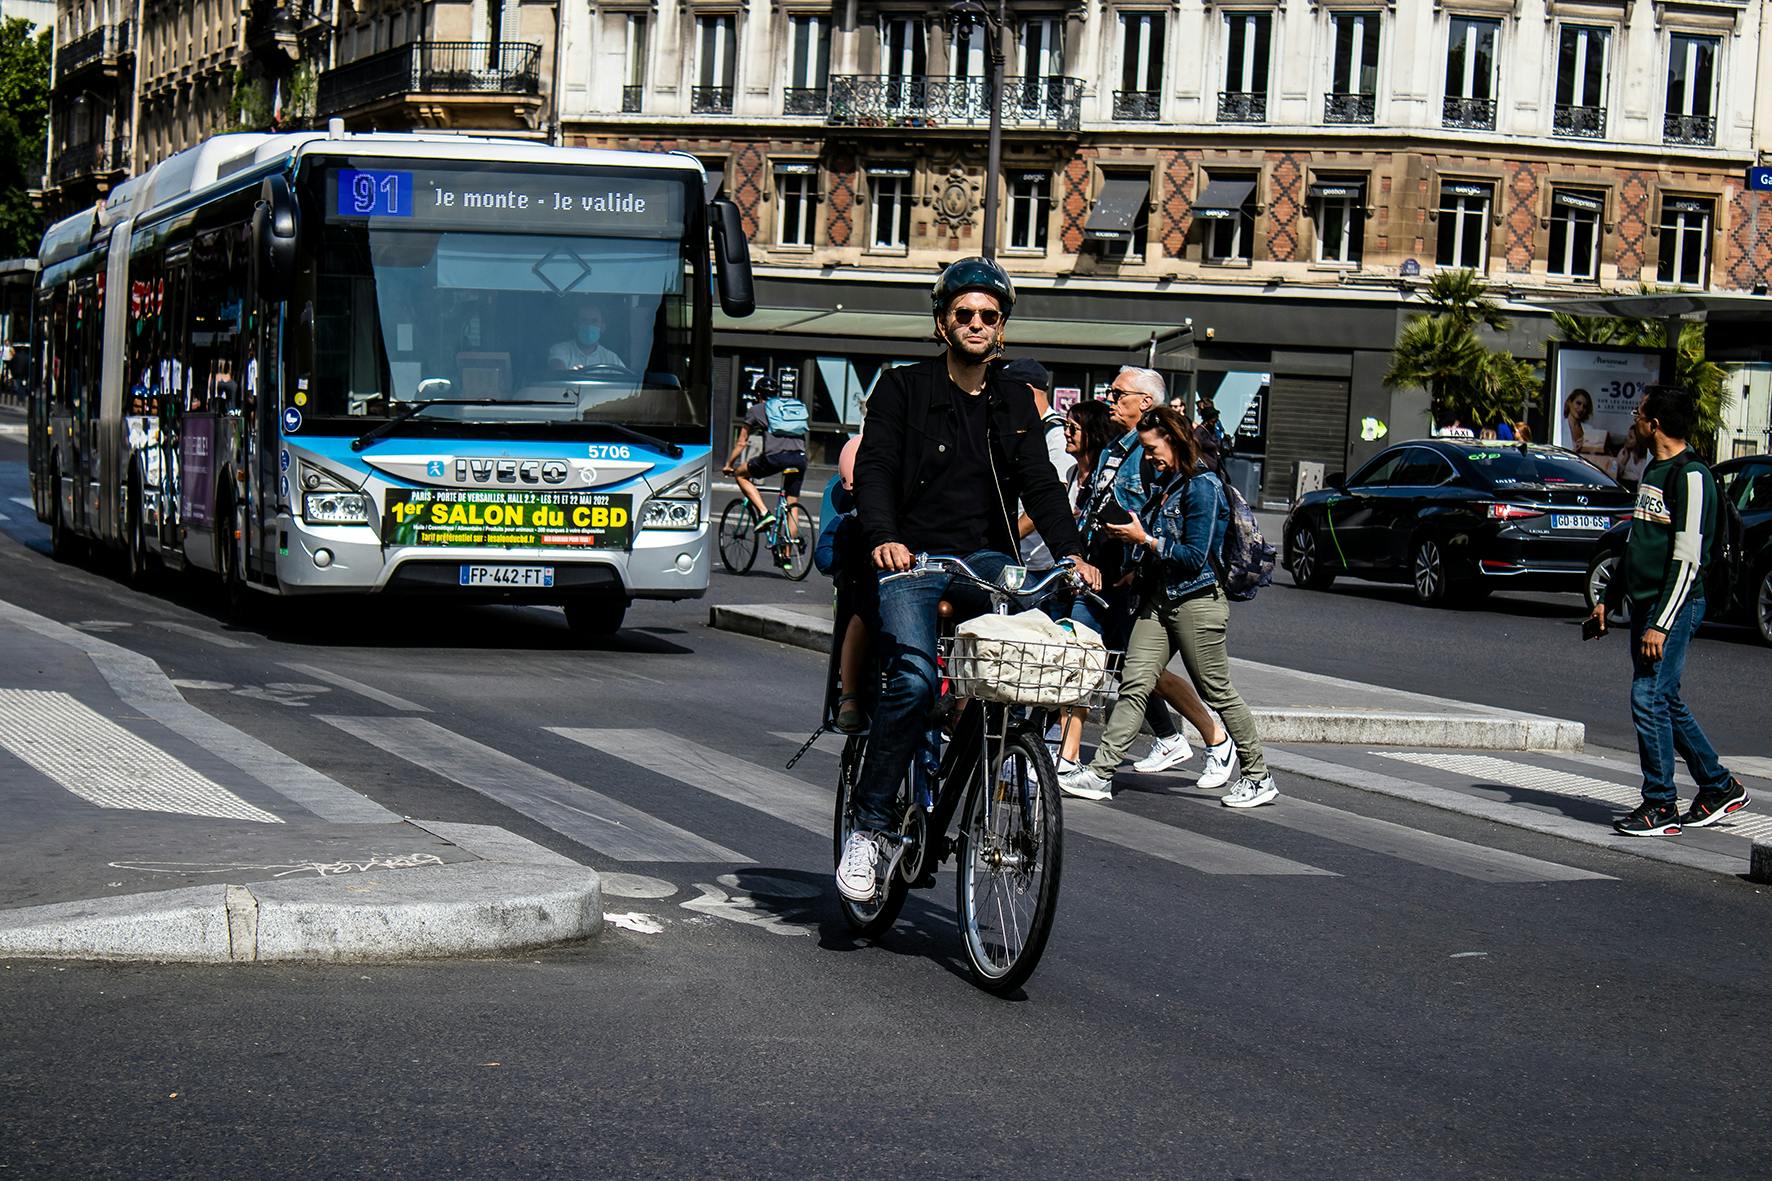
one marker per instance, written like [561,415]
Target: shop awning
[1337,190]
[1223,198]
[901,334]
[1463,188]
[1119,209]
[1582,201]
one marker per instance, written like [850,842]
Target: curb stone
[1759,868]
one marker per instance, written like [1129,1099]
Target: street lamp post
[975,12]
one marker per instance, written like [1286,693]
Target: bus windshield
[569,296]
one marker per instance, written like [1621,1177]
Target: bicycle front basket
[991,663]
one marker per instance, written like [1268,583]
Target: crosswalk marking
[106,765]
[1410,844]
[589,817]
[787,799]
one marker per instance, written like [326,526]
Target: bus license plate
[1580,521]
[507,575]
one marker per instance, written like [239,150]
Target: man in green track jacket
[1672,538]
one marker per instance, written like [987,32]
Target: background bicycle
[788,539]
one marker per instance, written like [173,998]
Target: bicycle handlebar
[1062,575]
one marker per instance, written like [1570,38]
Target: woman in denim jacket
[1184,609]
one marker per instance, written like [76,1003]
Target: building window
[1030,210]
[1353,78]
[794,203]
[634,88]
[1464,226]
[1470,73]
[1247,41]
[1140,96]
[966,52]
[1575,234]
[904,51]
[1584,64]
[1226,207]
[1685,241]
[1691,116]
[1340,208]
[890,191]
[1042,60]
[809,65]
[716,65]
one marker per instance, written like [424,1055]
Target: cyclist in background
[781,423]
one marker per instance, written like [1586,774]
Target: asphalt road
[1379,1017]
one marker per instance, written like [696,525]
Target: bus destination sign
[549,202]
[507,519]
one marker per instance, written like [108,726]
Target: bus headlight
[335,508]
[677,505]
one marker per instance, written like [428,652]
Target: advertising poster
[510,519]
[1595,392]
[197,465]
[1066,396]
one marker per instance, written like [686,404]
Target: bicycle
[788,537]
[983,757]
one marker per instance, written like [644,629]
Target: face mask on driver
[589,335]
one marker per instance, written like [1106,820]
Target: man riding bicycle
[949,448]
[781,422]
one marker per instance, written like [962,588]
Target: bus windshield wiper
[653,441]
[414,409]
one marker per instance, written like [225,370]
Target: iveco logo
[511,471]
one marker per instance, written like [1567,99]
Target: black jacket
[911,424]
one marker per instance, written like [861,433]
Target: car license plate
[1597,524]
[507,575]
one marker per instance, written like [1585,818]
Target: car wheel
[1430,573]
[1308,567]
[1600,572]
[1763,606]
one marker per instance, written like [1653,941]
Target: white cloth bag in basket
[1027,659]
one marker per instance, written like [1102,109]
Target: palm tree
[1440,355]
[1462,297]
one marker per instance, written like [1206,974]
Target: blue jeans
[1664,725]
[906,644]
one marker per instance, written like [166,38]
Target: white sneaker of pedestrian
[1065,766]
[855,873]
[1251,793]
[1164,754]
[1219,760]
[1085,784]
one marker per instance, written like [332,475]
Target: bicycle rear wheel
[875,917]
[795,546]
[1010,862]
[738,535]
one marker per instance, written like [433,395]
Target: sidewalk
[140,827]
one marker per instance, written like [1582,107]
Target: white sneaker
[1085,784]
[1064,766]
[1251,793]
[1164,754]
[1219,760]
[855,873]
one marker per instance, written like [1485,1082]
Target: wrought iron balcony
[710,100]
[1350,108]
[433,67]
[630,99]
[1134,106]
[805,100]
[99,157]
[1580,122]
[280,24]
[1469,114]
[1241,106]
[106,43]
[883,100]
[1695,130]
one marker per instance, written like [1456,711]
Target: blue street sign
[1759,179]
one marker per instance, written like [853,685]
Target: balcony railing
[1698,130]
[710,100]
[805,100]
[1241,106]
[630,99]
[1470,114]
[1579,122]
[1350,108]
[433,67]
[93,158]
[106,43]
[883,100]
[1136,106]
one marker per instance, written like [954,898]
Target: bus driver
[585,349]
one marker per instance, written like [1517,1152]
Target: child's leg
[855,655]
[1070,733]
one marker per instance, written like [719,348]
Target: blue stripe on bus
[337,449]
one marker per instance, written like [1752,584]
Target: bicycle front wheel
[873,918]
[738,536]
[795,546]
[1011,846]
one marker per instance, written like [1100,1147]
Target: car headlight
[677,505]
[335,508]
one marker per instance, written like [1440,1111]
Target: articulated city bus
[343,364]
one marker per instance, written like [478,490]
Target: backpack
[1246,559]
[1728,552]
[786,417]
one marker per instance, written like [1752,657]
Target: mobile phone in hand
[1591,629]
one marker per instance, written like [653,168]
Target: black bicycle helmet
[972,274]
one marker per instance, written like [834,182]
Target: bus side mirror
[732,260]
[274,232]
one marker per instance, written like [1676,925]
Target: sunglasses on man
[989,317]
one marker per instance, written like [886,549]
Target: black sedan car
[1748,483]
[1455,519]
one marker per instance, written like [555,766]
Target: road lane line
[197,633]
[589,817]
[773,793]
[391,700]
[1409,844]
[104,764]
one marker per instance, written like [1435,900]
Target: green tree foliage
[24,119]
[1441,353]
[1693,369]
